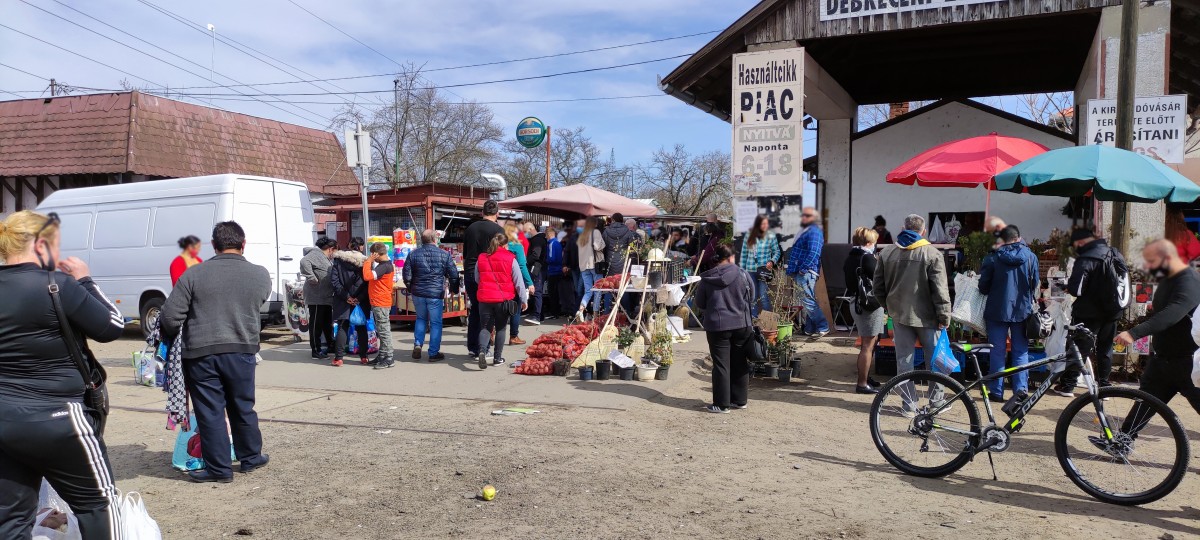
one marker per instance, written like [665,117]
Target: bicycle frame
[1015,421]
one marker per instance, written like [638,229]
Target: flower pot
[661,375]
[646,373]
[785,331]
[603,370]
[796,367]
[655,279]
[771,336]
[562,367]
[771,371]
[585,373]
[785,375]
[627,373]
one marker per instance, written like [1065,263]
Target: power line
[318,119]
[38,77]
[93,60]
[379,75]
[344,33]
[461,85]
[563,100]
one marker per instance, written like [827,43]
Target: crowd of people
[509,269]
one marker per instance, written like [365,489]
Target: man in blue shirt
[804,265]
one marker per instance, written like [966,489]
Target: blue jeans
[998,333]
[588,279]
[814,318]
[429,314]
[761,298]
[577,278]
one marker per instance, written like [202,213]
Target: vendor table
[403,309]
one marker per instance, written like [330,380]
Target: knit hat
[1081,234]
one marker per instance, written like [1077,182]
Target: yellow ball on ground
[488,492]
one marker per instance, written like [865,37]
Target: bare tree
[1056,109]
[423,137]
[686,183]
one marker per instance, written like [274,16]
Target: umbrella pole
[987,205]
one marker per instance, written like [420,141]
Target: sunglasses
[52,220]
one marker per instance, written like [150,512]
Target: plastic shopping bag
[187,456]
[357,317]
[372,341]
[136,523]
[969,303]
[146,368]
[50,505]
[943,358]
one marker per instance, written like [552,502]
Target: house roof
[132,132]
[969,103]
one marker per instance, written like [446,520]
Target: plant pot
[771,371]
[771,336]
[661,375]
[785,375]
[655,279]
[646,373]
[785,331]
[562,367]
[627,373]
[603,370]
[586,373]
[796,367]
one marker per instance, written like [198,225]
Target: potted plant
[662,349]
[780,357]
[625,338]
[782,293]
[975,247]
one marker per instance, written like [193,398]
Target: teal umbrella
[1110,174]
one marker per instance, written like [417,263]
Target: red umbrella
[965,163]
[579,200]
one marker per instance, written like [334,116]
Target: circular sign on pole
[531,132]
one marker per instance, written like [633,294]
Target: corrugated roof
[144,134]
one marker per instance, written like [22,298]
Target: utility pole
[212,66]
[1126,72]
[53,88]
[396,130]
[547,157]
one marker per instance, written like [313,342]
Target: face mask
[1160,272]
[578,230]
[49,265]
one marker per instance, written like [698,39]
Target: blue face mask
[578,230]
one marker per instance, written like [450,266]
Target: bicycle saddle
[968,347]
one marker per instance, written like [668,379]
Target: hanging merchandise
[937,233]
[296,311]
[953,227]
[969,303]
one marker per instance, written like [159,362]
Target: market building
[857,53]
[53,143]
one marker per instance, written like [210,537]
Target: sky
[435,35]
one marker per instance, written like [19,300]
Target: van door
[294,228]
[254,210]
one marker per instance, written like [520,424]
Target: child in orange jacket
[378,272]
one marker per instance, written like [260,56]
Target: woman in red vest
[500,283]
[190,256]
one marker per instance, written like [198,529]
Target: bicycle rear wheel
[1143,460]
[913,438]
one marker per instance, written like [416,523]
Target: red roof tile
[144,134]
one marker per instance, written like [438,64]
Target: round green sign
[531,132]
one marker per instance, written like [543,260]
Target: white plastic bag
[1059,310]
[1196,355]
[969,303]
[49,500]
[136,523]
[145,368]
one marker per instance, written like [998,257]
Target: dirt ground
[642,460]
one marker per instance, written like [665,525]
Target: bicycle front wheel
[1143,458]
[913,434]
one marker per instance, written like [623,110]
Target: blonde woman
[45,428]
[869,320]
[591,251]
[514,245]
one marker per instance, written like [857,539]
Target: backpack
[864,295]
[1116,291]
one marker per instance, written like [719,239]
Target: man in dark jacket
[1092,286]
[1169,370]
[572,288]
[427,270]
[477,239]
[1009,278]
[349,291]
[536,260]
[221,300]
[555,277]
[617,238]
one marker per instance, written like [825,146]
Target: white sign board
[358,148]
[1159,125]
[768,114]
[832,10]
[744,213]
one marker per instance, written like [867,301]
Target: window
[75,231]
[121,228]
[174,222]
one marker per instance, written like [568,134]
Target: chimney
[897,109]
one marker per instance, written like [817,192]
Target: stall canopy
[579,200]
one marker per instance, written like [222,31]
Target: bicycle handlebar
[1076,329]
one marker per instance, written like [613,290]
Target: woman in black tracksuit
[45,430]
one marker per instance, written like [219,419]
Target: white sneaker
[533,321]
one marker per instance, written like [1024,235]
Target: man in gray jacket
[318,295]
[221,304]
[910,283]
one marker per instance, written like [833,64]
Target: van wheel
[151,311]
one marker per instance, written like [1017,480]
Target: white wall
[875,154]
[833,158]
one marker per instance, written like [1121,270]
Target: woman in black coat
[349,291]
[725,296]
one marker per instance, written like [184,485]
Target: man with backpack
[1100,284]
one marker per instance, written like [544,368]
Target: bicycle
[1117,454]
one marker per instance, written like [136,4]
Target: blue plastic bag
[943,360]
[357,317]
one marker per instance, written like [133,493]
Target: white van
[128,233]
